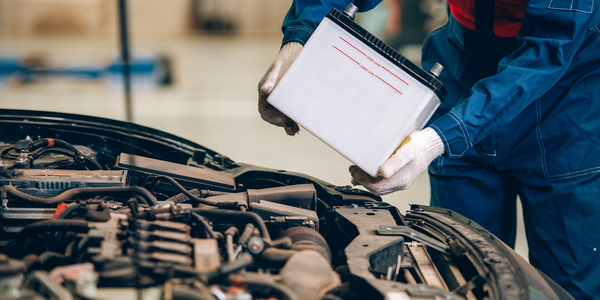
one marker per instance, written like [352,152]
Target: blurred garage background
[196,65]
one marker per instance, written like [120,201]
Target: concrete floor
[213,102]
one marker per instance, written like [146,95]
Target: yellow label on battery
[406,140]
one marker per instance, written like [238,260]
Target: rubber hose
[245,260]
[248,231]
[55,225]
[282,243]
[205,224]
[277,256]
[179,198]
[233,231]
[133,207]
[141,199]
[188,194]
[70,194]
[250,217]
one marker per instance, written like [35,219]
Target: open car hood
[94,208]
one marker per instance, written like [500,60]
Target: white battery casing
[352,97]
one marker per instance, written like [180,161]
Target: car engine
[101,209]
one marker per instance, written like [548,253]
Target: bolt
[350,10]
[25,184]
[436,69]
[81,184]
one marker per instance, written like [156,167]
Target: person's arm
[305,15]
[551,33]
[299,24]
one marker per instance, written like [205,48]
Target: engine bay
[101,209]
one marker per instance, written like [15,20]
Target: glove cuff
[434,145]
[289,51]
[283,60]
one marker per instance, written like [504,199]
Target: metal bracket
[414,235]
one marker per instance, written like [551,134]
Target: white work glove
[268,112]
[410,160]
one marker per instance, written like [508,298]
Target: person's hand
[404,166]
[268,112]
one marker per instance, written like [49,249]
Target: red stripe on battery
[366,55]
[50,142]
[352,46]
[346,55]
[394,75]
[389,85]
[373,74]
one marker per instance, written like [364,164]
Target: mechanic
[522,117]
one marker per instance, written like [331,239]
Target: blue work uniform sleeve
[305,15]
[550,35]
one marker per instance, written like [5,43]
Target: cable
[250,217]
[180,198]
[58,146]
[189,195]
[75,155]
[70,194]
[230,233]
[248,231]
[55,225]
[141,199]
[48,142]
[205,224]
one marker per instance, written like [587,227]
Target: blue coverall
[521,118]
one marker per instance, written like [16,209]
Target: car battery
[355,93]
